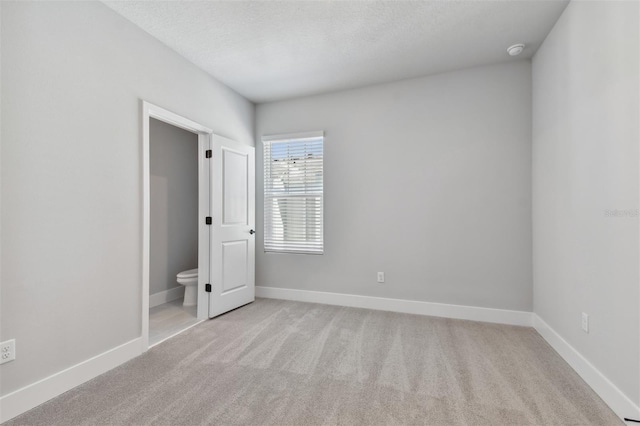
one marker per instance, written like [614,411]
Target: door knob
[252,232]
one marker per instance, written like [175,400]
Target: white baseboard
[22,400]
[166,296]
[501,316]
[618,401]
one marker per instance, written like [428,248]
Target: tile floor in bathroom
[168,319]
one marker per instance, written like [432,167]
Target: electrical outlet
[7,351]
[380,277]
[585,322]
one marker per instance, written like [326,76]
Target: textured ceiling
[281,49]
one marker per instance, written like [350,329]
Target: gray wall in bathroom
[174,204]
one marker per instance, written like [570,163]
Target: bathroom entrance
[198,242]
[173,249]
[176,240]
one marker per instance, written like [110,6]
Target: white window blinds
[293,193]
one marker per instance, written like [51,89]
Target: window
[293,193]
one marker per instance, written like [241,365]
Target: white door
[233,225]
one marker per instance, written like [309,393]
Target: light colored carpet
[288,363]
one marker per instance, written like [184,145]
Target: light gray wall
[73,75]
[173,156]
[427,180]
[585,163]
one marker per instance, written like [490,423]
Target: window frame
[268,140]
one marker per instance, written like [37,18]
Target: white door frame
[149,111]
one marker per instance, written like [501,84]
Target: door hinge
[208,153]
[208,220]
[207,288]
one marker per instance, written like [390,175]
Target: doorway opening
[176,237]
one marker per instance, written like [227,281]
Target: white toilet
[189,279]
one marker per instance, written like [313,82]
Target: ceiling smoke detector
[516,49]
